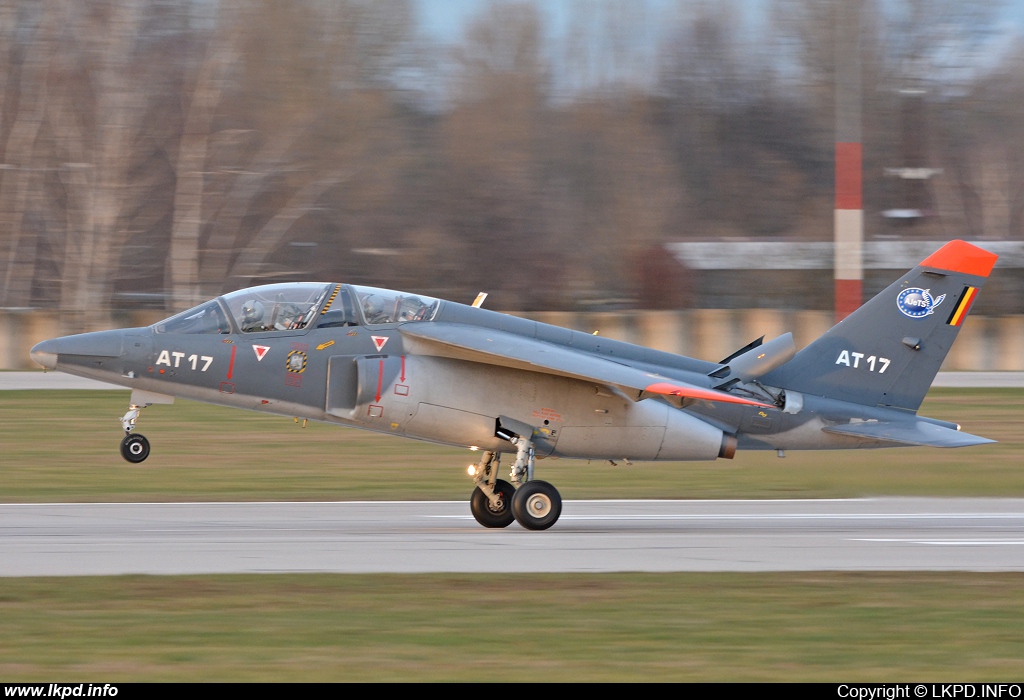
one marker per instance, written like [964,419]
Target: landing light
[472,470]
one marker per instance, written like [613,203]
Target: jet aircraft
[449,373]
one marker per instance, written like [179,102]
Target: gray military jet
[459,375]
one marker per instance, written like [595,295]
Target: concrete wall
[985,343]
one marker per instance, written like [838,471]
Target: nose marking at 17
[165,359]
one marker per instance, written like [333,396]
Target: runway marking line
[773,516]
[945,543]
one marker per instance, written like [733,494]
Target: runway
[592,536]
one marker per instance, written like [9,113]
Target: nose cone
[85,345]
[45,354]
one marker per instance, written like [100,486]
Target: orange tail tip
[694,392]
[961,256]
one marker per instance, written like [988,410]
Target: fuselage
[338,355]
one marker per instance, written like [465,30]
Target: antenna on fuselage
[479,301]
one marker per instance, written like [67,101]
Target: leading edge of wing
[504,349]
[920,433]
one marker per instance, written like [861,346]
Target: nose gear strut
[128,419]
[135,447]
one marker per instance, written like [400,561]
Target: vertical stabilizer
[888,351]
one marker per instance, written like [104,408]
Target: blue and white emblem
[917,303]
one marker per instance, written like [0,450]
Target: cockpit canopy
[276,307]
[387,306]
[298,306]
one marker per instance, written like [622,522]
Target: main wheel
[537,505]
[488,515]
[135,448]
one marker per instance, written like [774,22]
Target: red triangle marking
[261,351]
[379,340]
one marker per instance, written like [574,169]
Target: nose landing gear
[134,448]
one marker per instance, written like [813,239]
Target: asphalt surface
[592,536]
[59,380]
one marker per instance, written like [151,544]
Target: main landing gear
[535,504]
[134,448]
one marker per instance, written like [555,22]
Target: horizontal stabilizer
[502,349]
[909,433]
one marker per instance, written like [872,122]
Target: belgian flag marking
[963,305]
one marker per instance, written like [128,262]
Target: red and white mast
[849,208]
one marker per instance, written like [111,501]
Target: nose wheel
[135,448]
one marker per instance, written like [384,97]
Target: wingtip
[961,256]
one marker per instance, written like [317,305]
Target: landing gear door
[543,439]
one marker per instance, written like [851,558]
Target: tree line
[160,152]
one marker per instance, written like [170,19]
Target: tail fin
[888,351]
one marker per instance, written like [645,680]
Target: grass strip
[839,627]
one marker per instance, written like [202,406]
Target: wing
[909,433]
[504,349]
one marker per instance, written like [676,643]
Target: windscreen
[205,318]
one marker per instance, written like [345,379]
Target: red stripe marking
[848,176]
[695,392]
[231,365]
[403,369]
[961,256]
[380,381]
[848,297]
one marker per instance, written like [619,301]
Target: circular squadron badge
[917,303]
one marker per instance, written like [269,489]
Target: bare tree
[25,106]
